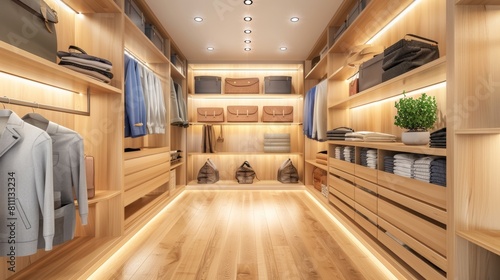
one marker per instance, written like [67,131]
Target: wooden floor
[242,235]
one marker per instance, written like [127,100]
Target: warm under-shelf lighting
[392,22]
[69,8]
[30,82]
[408,93]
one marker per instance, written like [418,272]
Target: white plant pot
[416,138]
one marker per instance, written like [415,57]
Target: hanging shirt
[135,109]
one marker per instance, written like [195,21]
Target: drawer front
[342,165]
[365,224]
[342,186]
[367,200]
[369,215]
[346,209]
[342,174]
[366,173]
[367,185]
[424,231]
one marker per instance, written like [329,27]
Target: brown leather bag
[241,85]
[242,113]
[210,114]
[245,173]
[208,173]
[277,114]
[287,173]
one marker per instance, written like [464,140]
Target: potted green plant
[417,116]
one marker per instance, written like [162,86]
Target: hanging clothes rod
[6,101]
[143,64]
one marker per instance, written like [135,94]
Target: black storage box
[370,73]
[354,13]
[207,84]
[135,15]
[278,84]
[155,37]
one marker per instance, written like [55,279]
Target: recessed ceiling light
[294,19]
[247,41]
[283,48]
[248,2]
[198,19]
[247,18]
[247,31]
[210,49]
[247,49]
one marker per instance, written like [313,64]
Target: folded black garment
[85,67]
[438,141]
[81,54]
[439,132]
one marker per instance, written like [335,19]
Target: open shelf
[23,64]
[248,123]
[396,146]
[245,96]
[319,70]
[176,165]
[93,6]
[478,2]
[487,239]
[139,45]
[102,196]
[242,153]
[426,75]
[176,73]
[256,185]
[477,131]
[314,163]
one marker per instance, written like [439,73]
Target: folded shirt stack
[322,157]
[422,168]
[175,155]
[438,138]
[349,154]
[389,164]
[403,164]
[92,66]
[339,152]
[277,142]
[338,133]
[368,157]
[438,172]
[370,136]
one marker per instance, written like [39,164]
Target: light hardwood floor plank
[235,234]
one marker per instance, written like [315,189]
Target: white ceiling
[223,25]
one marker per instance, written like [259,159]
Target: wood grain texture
[244,235]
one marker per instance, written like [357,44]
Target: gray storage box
[155,37]
[207,84]
[278,84]
[370,72]
[135,14]
[354,13]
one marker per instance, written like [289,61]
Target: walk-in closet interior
[123,118]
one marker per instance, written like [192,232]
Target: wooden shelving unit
[93,6]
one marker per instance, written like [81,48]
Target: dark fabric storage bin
[207,84]
[354,13]
[135,14]
[155,37]
[370,72]
[278,84]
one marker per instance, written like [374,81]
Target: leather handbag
[319,178]
[241,85]
[277,114]
[242,113]
[210,114]
[208,173]
[287,173]
[30,25]
[245,173]
[408,53]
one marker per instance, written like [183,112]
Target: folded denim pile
[429,169]
[92,66]
[369,157]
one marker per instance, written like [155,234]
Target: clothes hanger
[36,119]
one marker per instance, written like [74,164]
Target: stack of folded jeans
[438,172]
[369,157]
[438,138]
[389,164]
[92,66]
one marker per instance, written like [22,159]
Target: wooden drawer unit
[366,199]
[365,223]
[342,185]
[341,165]
[342,202]
[366,173]
[426,232]
[428,193]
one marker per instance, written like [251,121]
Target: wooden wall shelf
[488,239]
[478,2]
[397,147]
[314,163]
[93,6]
[245,96]
[477,131]
[319,70]
[139,45]
[256,185]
